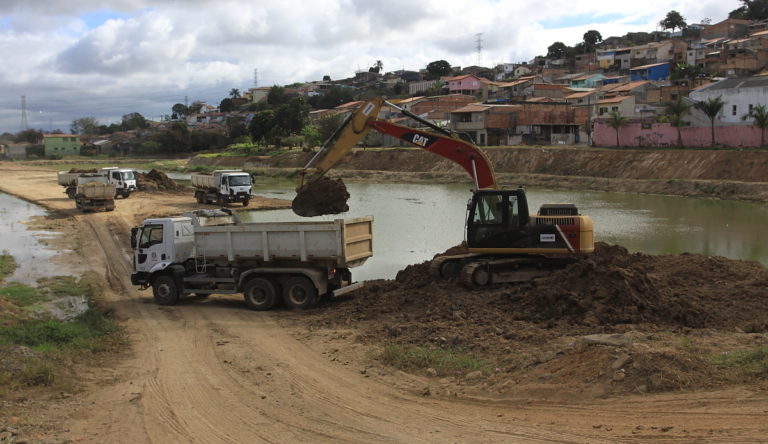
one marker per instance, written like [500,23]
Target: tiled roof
[617,99]
[648,66]
[471,108]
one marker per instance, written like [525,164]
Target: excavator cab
[496,218]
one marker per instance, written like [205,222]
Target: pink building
[466,84]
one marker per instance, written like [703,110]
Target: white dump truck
[222,187]
[69,182]
[93,192]
[210,252]
[123,179]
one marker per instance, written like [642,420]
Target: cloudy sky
[105,59]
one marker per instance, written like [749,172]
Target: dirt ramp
[323,196]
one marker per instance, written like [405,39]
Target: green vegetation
[444,361]
[751,362]
[53,344]
[7,265]
[22,295]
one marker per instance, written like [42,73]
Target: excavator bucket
[317,195]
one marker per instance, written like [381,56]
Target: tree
[234,93]
[591,38]
[438,68]
[226,105]
[616,121]
[195,107]
[557,50]
[327,125]
[673,20]
[85,125]
[291,117]
[262,126]
[179,110]
[759,114]
[711,107]
[133,121]
[331,98]
[751,10]
[676,111]
[29,136]
[276,95]
[377,67]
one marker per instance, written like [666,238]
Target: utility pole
[24,123]
[255,77]
[479,42]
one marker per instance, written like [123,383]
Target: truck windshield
[151,235]
[128,175]
[238,181]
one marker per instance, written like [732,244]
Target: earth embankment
[728,174]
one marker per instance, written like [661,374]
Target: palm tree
[616,121]
[234,93]
[711,107]
[676,111]
[760,115]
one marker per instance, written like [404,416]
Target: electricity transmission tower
[479,41]
[24,123]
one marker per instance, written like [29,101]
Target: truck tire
[245,202]
[299,292]
[165,291]
[71,192]
[260,294]
[200,198]
[220,201]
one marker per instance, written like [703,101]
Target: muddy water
[413,222]
[16,239]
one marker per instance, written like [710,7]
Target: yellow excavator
[504,242]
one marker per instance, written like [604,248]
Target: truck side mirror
[134,232]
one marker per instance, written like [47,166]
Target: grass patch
[444,361]
[7,265]
[752,362]
[22,295]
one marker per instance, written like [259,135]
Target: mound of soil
[156,180]
[323,196]
[610,290]
[83,171]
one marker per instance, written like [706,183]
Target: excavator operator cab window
[497,210]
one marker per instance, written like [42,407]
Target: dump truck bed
[344,242]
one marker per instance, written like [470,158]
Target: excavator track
[487,271]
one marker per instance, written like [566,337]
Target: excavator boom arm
[357,125]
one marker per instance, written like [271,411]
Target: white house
[739,95]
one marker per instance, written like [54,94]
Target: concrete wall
[664,134]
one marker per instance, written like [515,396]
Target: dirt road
[209,370]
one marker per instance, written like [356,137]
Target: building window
[615,108]
[733,112]
[750,108]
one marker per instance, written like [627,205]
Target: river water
[413,222]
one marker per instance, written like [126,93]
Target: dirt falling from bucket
[323,196]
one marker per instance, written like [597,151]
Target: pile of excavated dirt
[608,291]
[323,196]
[156,180]
[83,171]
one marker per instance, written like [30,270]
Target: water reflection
[31,256]
[413,222]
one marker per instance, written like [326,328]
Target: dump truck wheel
[71,192]
[260,294]
[245,203]
[200,198]
[299,292]
[164,290]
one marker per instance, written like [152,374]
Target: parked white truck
[222,187]
[210,252]
[123,179]
[93,192]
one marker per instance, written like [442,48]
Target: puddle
[31,255]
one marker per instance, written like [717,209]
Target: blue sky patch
[97,18]
[570,21]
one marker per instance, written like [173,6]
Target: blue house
[657,71]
